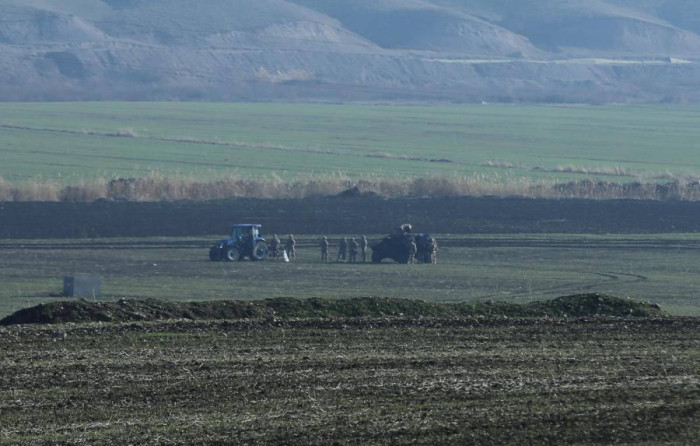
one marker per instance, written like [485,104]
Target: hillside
[457,50]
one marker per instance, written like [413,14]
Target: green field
[513,268]
[72,142]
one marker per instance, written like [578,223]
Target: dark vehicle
[245,242]
[396,247]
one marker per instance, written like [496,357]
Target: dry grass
[156,187]
[614,171]
[5,190]
[34,191]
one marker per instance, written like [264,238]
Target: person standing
[363,248]
[275,247]
[291,247]
[412,249]
[342,249]
[324,249]
[352,248]
[433,246]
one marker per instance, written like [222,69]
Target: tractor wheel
[376,257]
[259,251]
[232,254]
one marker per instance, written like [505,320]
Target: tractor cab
[245,242]
[248,231]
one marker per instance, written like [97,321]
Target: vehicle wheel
[376,258]
[399,257]
[214,254]
[259,251]
[232,254]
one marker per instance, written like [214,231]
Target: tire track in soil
[105,244]
[208,142]
[621,244]
[575,287]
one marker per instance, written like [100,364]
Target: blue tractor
[245,242]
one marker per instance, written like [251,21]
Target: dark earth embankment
[76,311]
[335,215]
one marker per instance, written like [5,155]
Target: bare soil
[320,381]
[346,214]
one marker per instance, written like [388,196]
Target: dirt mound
[592,304]
[355,192]
[130,310]
[124,310]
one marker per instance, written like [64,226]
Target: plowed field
[458,381]
[337,215]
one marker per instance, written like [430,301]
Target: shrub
[156,187]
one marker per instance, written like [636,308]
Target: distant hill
[595,51]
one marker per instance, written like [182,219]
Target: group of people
[429,245]
[347,249]
[290,247]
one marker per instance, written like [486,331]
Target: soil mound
[124,310]
[130,310]
[592,304]
[355,192]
